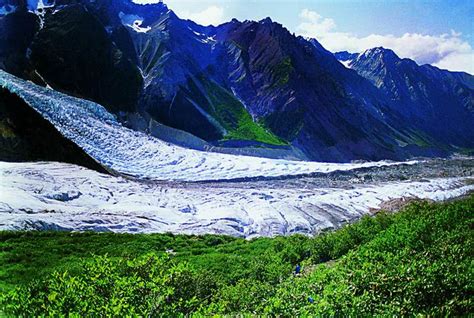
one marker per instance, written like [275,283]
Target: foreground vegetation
[418,261]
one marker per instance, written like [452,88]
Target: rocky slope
[437,102]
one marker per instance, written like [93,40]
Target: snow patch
[133,21]
[203,38]
[346,63]
[38,6]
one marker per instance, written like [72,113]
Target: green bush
[151,285]
[415,262]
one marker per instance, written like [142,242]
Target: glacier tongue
[68,197]
[164,196]
[136,154]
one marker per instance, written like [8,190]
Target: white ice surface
[136,154]
[63,196]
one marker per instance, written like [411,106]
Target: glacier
[127,152]
[59,196]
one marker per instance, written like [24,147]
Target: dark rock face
[26,136]
[246,83]
[17,30]
[302,94]
[74,53]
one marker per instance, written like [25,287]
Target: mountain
[345,56]
[439,103]
[17,31]
[242,84]
[305,96]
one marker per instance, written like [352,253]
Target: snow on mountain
[133,21]
[67,197]
[346,58]
[39,5]
[136,154]
[347,64]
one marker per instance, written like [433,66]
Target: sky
[438,32]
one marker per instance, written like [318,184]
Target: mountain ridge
[424,91]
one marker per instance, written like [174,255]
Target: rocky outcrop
[74,53]
[17,31]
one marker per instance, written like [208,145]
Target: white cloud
[314,23]
[447,51]
[211,15]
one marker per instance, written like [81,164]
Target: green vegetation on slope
[418,261]
[235,118]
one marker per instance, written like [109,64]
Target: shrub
[416,262]
[152,285]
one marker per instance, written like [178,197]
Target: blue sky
[439,32]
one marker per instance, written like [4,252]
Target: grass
[415,262]
[26,256]
[236,119]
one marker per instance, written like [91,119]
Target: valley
[157,160]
